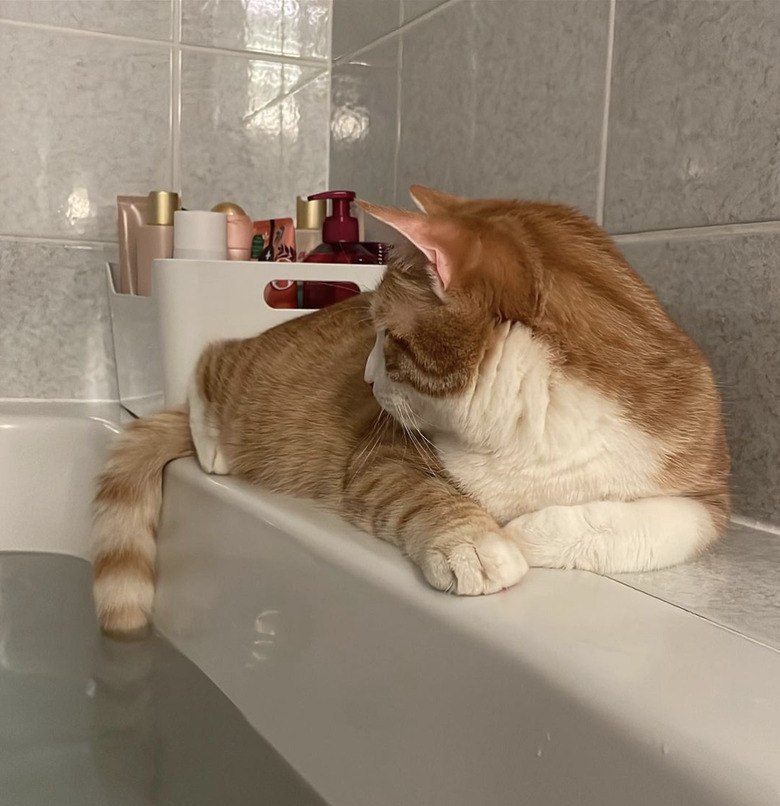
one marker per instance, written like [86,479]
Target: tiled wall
[660,118]
[220,100]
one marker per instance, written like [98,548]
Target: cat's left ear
[429,236]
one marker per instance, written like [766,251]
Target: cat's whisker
[371,444]
[413,434]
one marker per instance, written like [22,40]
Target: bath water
[89,720]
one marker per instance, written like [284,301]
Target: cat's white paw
[205,435]
[209,453]
[486,564]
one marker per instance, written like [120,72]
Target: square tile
[84,119]
[694,117]
[357,23]
[252,131]
[55,332]
[363,124]
[725,291]
[300,28]
[147,19]
[505,98]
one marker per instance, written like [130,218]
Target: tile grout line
[601,190]
[59,400]
[399,63]
[92,242]
[682,233]
[167,43]
[398,95]
[390,34]
[701,231]
[175,111]
[691,612]
[294,91]
[752,523]
[330,102]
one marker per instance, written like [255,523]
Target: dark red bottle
[340,244]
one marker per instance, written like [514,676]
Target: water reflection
[89,720]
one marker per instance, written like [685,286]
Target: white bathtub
[569,689]
[50,454]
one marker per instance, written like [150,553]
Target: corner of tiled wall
[657,118]
[217,100]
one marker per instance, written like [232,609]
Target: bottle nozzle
[340,226]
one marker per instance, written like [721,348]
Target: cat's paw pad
[487,564]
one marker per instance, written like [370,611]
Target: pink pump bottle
[340,244]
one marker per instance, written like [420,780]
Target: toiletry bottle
[310,216]
[239,230]
[340,236]
[281,294]
[274,239]
[199,235]
[131,214]
[155,238]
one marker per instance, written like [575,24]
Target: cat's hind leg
[611,537]
[205,432]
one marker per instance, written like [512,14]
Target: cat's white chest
[529,437]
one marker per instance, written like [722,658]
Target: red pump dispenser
[340,244]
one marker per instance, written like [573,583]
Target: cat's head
[468,271]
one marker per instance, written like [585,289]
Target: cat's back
[292,401]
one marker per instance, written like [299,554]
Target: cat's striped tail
[126,513]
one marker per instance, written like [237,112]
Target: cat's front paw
[485,564]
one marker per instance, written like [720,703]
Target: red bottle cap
[339,226]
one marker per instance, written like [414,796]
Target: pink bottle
[239,230]
[340,244]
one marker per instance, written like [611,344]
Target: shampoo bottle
[340,244]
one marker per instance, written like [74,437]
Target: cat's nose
[374,359]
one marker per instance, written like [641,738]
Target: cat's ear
[434,202]
[429,236]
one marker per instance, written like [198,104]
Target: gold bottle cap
[228,208]
[162,205]
[310,214]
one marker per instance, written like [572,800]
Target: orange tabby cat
[512,394]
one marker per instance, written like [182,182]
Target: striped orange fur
[126,510]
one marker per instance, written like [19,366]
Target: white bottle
[199,235]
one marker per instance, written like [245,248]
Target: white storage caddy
[200,301]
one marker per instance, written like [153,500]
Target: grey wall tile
[298,28]
[252,131]
[736,584]
[364,123]
[505,98]
[725,291]
[694,114]
[304,167]
[411,9]
[55,333]
[149,19]
[359,22]
[83,120]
